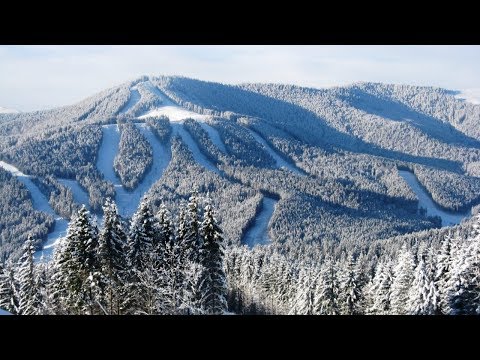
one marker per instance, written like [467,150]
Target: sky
[41,77]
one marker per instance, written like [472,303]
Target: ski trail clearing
[40,203]
[132,100]
[425,201]
[214,136]
[127,201]
[178,129]
[257,234]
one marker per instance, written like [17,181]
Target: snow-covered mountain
[283,164]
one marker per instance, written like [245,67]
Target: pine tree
[464,283]
[112,258]
[403,275]
[141,237]
[213,280]
[349,289]
[192,239]
[422,297]
[141,261]
[326,297]
[28,291]
[8,290]
[304,301]
[73,265]
[380,289]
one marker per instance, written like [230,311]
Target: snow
[174,112]
[40,203]
[134,98]
[127,201]
[280,162]
[426,202]
[257,234]
[4,110]
[79,194]
[214,136]
[200,158]
[3,312]
[469,95]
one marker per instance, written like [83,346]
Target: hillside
[301,168]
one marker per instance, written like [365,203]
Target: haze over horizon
[41,77]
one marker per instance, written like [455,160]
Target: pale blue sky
[38,77]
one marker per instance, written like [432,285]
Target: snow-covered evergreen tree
[8,290]
[422,296]
[192,239]
[304,301]
[112,258]
[350,291]
[326,293]
[381,289]
[403,275]
[74,264]
[28,291]
[213,280]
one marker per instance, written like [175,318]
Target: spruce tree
[403,275]
[28,291]
[349,288]
[326,297]
[213,280]
[380,289]
[422,297]
[192,239]
[8,290]
[112,259]
[444,272]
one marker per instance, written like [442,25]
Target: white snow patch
[79,194]
[214,136]
[187,139]
[469,95]
[426,202]
[40,203]
[174,112]
[258,233]
[132,100]
[127,201]
[279,161]
[4,110]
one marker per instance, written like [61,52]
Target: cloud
[36,77]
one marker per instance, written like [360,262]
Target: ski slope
[127,201]
[426,202]
[79,194]
[174,112]
[257,234]
[279,161]
[214,136]
[132,101]
[40,203]
[200,158]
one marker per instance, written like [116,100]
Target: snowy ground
[426,202]
[280,162]
[178,129]
[79,194]
[40,203]
[134,98]
[127,201]
[174,112]
[3,312]
[469,95]
[214,136]
[258,233]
